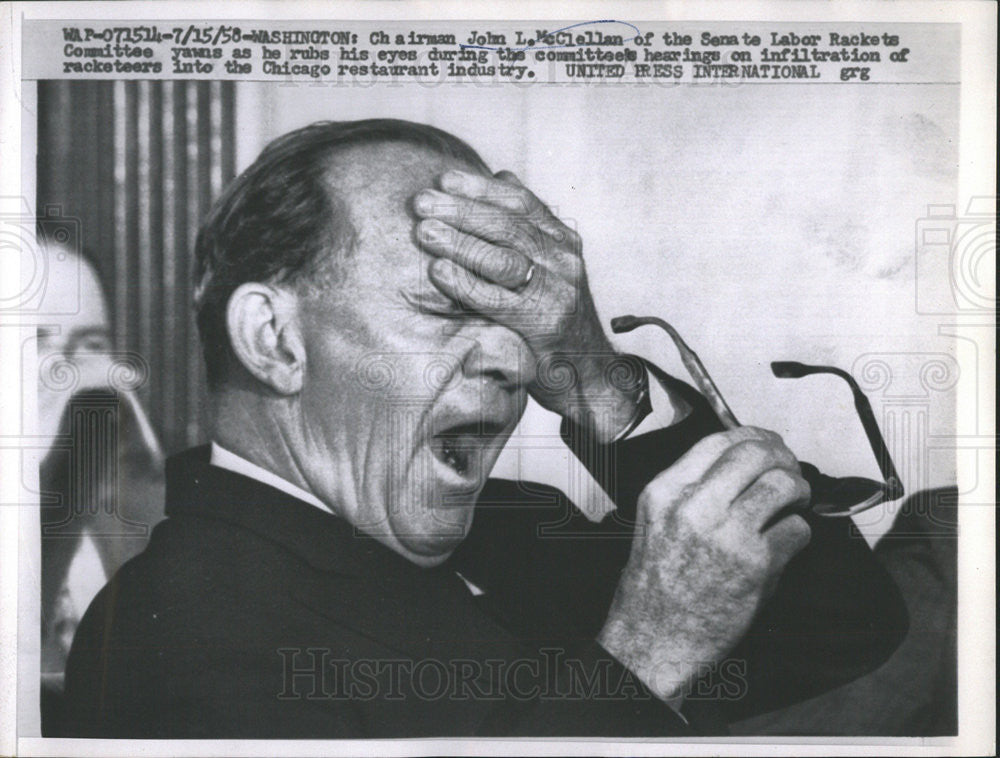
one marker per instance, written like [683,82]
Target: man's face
[74,343]
[407,399]
[73,293]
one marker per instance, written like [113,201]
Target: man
[375,307]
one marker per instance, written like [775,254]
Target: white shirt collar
[229,460]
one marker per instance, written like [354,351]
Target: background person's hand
[503,254]
[713,534]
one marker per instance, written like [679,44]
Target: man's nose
[498,354]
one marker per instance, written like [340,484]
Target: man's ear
[264,331]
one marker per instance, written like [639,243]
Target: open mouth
[461,448]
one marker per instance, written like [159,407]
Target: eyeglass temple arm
[795,370]
[690,360]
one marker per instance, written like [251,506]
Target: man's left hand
[502,253]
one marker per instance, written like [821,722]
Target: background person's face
[74,345]
[407,400]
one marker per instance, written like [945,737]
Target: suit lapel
[356,582]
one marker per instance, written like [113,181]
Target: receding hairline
[367,162]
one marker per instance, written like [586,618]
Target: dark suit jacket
[915,692]
[253,614]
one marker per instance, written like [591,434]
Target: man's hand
[503,254]
[713,534]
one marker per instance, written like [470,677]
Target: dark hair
[281,217]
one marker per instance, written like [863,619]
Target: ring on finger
[528,276]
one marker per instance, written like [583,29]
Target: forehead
[73,295]
[378,183]
[385,171]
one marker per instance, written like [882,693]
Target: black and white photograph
[392,380]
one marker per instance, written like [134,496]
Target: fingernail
[430,230]
[423,203]
[441,269]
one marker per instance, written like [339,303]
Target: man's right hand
[713,534]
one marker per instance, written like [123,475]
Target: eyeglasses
[832,497]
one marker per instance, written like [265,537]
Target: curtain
[138,163]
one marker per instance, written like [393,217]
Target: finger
[491,223]
[496,190]
[507,191]
[547,221]
[691,467]
[479,295]
[771,497]
[509,176]
[740,466]
[499,265]
[784,541]
[787,537]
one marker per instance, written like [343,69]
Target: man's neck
[244,425]
[227,459]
